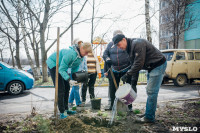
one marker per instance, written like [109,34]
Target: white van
[183,65]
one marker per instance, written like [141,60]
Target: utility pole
[72,32]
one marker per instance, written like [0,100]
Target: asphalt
[42,99]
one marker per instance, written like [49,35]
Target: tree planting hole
[97,121]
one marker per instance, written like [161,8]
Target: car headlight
[27,74]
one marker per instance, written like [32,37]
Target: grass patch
[136,111]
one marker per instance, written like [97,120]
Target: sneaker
[144,120]
[71,105]
[70,112]
[81,105]
[63,116]
[140,115]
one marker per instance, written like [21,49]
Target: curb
[96,85]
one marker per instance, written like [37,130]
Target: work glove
[108,62]
[133,86]
[99,75]
[125,78]
[73,83]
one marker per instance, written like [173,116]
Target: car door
[179,65]
[2,77]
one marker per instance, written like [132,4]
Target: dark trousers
[112,88]
[63,90]
[92,79]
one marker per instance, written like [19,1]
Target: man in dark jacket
[143,55]
[119,62]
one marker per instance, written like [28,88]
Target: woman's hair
[87,46]
[78,42]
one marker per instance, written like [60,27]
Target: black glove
[133,86]
[125,77]
[109,63]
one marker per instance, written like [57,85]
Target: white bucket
[126,94]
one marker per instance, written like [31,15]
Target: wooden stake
[57,65]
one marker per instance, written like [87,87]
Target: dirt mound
[84,124]
[168,115]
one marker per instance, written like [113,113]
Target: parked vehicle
[29,70]
[183,65]
[13,80]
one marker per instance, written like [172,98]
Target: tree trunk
[1,50]
[11,51]
[25,42]
[44,56]
[92,30]
[147,18]
[17,51]
[72,32]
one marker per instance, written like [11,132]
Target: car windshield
[168,55]
[6,65]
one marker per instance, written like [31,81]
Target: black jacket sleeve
[105,67]
[106,53]
[139,54]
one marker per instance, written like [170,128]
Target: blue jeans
[102,73]
[154,80]
[75,95]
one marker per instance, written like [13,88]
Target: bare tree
[147,20]
[25,41]
[47,9]
[173,21]
[2,47]
[13,19]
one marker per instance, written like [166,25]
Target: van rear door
[179,66]
[192,66]
[197,58]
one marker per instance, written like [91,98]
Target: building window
[163,4]
[190,56]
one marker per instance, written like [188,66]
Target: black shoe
[130,109]
[108,108]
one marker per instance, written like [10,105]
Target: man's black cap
[116,39]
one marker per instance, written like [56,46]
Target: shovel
[121,107]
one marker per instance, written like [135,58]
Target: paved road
[43,98]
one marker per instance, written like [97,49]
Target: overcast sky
[128,15]
[125,15]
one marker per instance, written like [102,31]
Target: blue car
[13,80]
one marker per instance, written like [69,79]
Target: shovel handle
[113,77]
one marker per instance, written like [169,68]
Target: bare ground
[168,115]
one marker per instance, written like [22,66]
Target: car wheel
[15,87]
[180,80]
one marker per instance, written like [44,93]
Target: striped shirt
[91,63]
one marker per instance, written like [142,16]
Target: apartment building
[179,24]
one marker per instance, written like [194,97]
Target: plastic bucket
[96,103]
[81,76]
[126,94]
